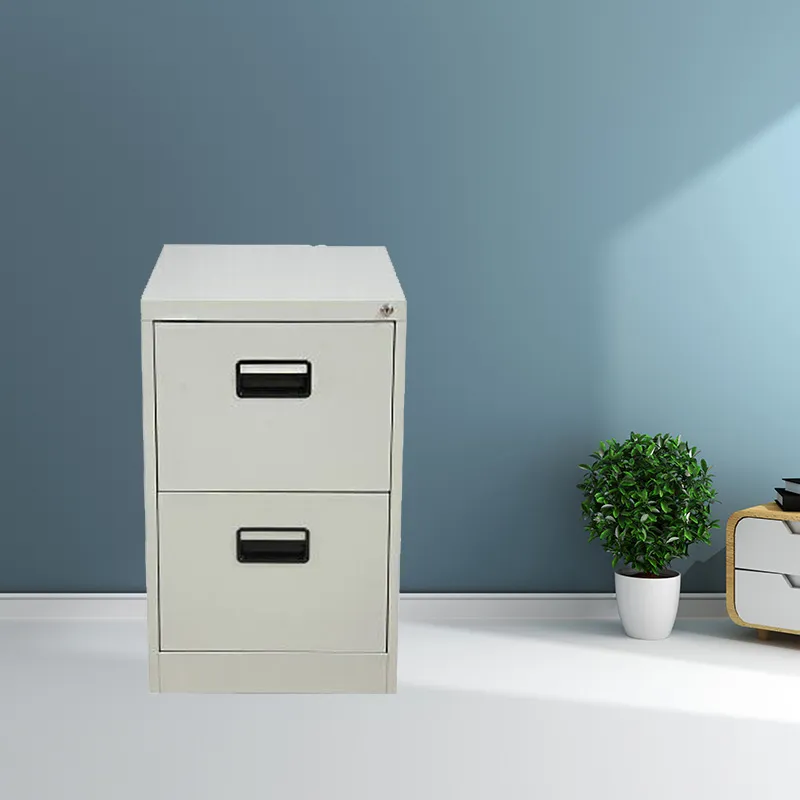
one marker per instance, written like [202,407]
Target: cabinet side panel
[395,501]
[150,498]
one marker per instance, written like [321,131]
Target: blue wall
[592,207]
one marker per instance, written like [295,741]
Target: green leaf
[647,499]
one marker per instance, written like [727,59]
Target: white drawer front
[768,545]
[335,601]
[232,414]
[768,599]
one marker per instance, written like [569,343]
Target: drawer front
[280,572]
[769,545]
[274,406]
[767,598]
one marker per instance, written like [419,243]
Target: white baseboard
[413,607]
[421,607]
[78,605]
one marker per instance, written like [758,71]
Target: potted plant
[647,499]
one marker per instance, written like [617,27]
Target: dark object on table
[788,501]
[792,485]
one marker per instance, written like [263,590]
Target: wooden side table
[763,569]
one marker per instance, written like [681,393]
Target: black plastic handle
[273,379]
[272,545]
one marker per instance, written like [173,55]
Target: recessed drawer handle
[273,379]
[272,545]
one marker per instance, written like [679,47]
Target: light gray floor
[484,710]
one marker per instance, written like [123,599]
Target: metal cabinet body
[273,381]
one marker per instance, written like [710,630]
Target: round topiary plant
[647,499]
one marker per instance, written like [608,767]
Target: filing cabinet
[273,381]
[763,569]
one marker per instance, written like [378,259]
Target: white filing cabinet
[273,381]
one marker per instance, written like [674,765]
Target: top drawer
[273,406]
[767,545]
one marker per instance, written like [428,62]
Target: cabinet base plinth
[285,673]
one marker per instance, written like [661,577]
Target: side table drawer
[768,599]
[768,545]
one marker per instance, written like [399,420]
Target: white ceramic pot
[647,606]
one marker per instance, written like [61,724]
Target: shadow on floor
[707,642]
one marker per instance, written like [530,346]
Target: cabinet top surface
[271,282]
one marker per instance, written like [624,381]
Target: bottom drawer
[273,572]
[768,599]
